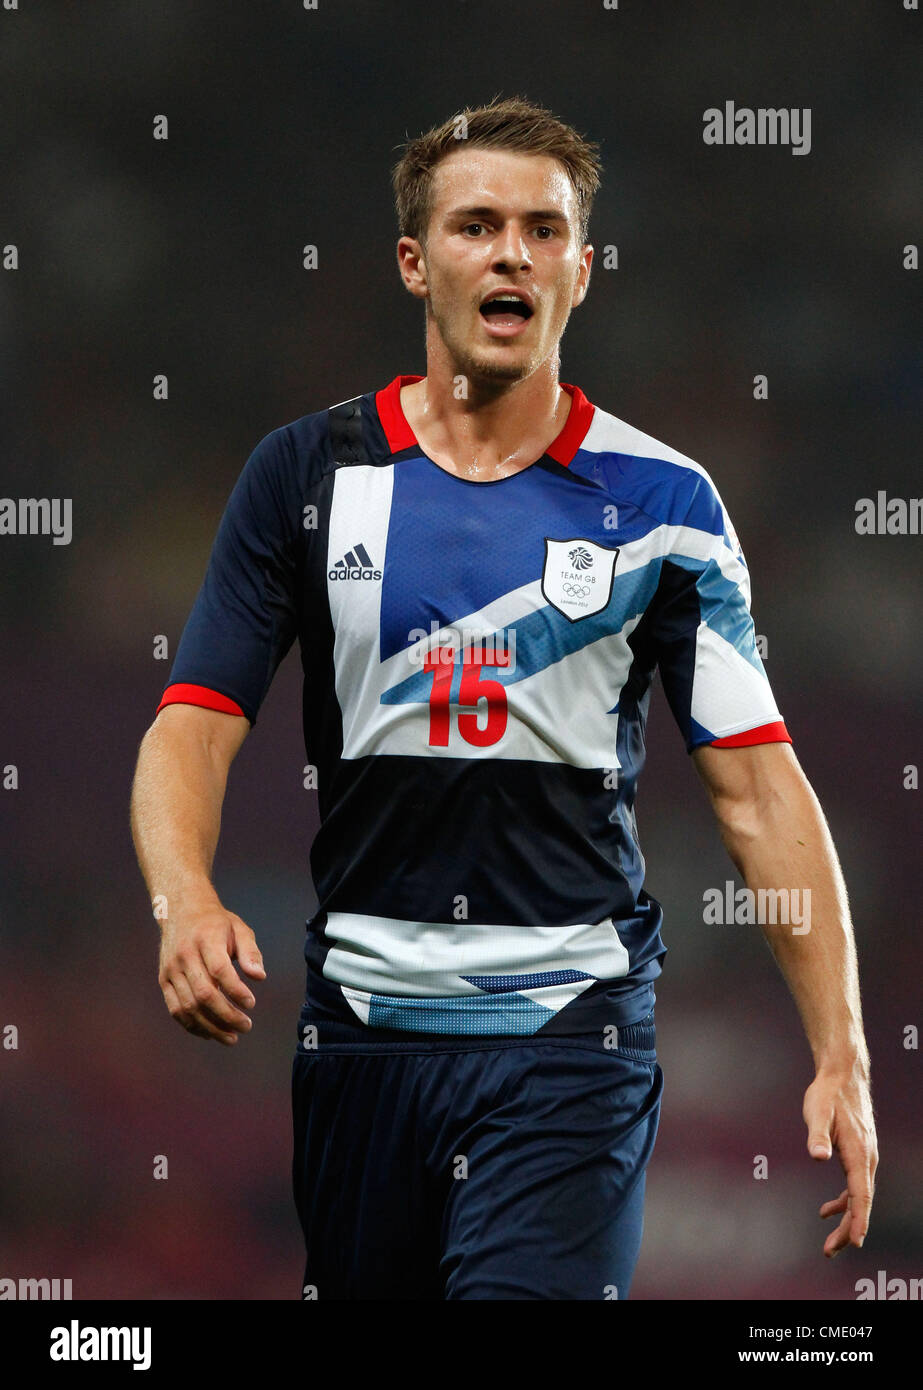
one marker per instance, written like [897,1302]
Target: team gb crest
[577,578]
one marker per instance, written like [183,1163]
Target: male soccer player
[484,571]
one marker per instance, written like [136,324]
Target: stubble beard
[481,369]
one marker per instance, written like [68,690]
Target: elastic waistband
[640,1039]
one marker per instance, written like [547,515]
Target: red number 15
[473,689]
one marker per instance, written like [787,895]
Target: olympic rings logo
[576,590]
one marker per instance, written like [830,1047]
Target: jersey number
[474,688]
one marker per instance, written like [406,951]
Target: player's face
[501,221]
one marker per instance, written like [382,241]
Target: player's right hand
[201,988]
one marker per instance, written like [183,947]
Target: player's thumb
[819,1145]
[246,950]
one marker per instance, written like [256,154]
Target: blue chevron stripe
[546,636]
[723,608]
[476,1014]
[497,984]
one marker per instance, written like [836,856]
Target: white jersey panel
[431,959]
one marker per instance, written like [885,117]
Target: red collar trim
[393,420]
[562,449]
[579,419]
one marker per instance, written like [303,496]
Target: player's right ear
[412,266]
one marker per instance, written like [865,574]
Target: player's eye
[478,226]
[545,228]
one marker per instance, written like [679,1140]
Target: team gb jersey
[478,658]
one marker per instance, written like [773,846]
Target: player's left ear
[583,276]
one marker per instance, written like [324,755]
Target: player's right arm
[242,623]
[176,801]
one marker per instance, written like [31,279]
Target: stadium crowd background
[184,256]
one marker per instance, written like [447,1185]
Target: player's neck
[494,429]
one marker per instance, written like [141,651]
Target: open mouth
[505,316]
[506,309]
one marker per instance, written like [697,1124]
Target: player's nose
[510,247]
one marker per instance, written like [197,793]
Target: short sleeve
[244,618]
[704,637]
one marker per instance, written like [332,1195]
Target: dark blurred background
[184,256]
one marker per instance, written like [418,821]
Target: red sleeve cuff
[197,695]
[766,733]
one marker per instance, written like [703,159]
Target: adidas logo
[355,564]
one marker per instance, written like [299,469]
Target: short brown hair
[509,123]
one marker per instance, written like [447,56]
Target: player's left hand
[838,1114]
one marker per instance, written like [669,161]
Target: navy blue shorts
[495,1170]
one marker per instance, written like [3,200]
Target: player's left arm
[775,832]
